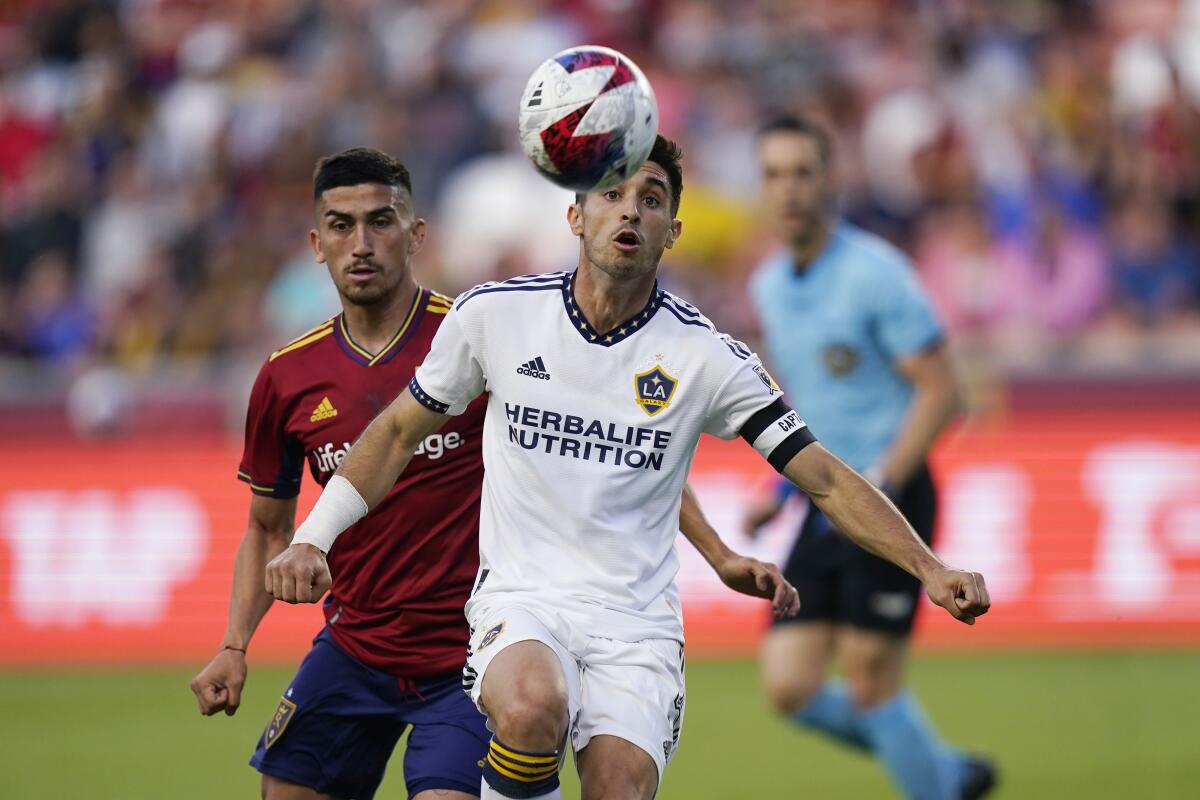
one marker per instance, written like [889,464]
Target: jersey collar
[394,345]
[822,259]
[620,332]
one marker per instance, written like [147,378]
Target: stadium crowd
[1040,160]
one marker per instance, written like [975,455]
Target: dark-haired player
[855,342]
[391,653]
[578,636]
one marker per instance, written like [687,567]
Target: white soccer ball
[588,118]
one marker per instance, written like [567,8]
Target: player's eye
[340,226]
[612,194]
[382,222]
[652,201]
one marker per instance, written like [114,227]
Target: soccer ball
[588,118]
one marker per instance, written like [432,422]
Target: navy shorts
[338,722]
[840,582]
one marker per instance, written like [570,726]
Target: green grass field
[1074,725]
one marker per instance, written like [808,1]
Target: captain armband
[778,433]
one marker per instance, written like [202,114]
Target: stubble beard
[376,293]
[618,267]
[365,296]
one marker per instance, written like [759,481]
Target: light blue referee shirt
[833,332]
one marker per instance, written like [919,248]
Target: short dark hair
[668,155]
[801,126]
[359,165]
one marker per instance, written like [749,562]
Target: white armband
[778,433]
[338,507]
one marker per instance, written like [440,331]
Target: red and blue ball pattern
[581,161]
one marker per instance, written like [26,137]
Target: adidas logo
[324,410]
[535,368]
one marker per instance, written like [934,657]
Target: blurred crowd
[1039,160]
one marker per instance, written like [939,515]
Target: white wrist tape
[338,507]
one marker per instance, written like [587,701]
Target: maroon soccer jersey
[402,574]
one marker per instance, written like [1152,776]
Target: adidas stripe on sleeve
[750,404]
[270,464]
[451,375]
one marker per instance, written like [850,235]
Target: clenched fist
[962,593]
[218,687]
[299,574]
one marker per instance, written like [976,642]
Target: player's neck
[372,327]
[805,251]
[606,302]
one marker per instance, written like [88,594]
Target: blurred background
[1040,162]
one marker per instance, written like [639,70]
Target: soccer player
[393,650]
[391,653]
[600,386]
[857,346]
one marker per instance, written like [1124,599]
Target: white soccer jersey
[588,441]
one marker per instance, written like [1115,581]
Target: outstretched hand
[760,579]
[299,574]
[964,594]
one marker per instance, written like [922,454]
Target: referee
[861,354]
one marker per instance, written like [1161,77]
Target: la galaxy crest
[279,722]
[653,389]
[490,636]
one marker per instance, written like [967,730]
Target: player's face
[624,230]
[795,183]
[367,235]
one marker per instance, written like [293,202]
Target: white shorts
[633,690]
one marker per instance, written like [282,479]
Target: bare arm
[218,687]
[697,530]
[740,573]
[936,401]
[384,449]
[267,535]
[300,574]
[861,512]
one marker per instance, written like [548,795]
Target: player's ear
[314,239]
[575,217]
[676,229]
[416,236]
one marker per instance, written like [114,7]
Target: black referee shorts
[840,582]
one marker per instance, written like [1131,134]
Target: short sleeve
[272,460]
[749,389]
[452,374]
[905,321]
